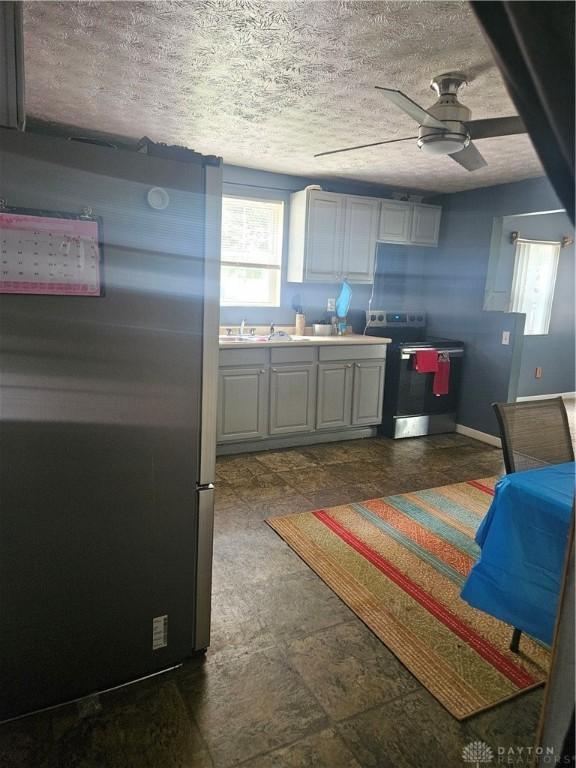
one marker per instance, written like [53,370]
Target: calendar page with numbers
[49,255]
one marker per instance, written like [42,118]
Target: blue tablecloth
[523,539]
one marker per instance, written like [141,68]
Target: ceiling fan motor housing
[437,141]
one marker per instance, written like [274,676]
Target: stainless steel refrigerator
[107,431]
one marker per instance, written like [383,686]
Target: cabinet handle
[349,365]
[263,370]
[275,370]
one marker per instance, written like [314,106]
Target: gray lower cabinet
[278,393]
[292,398]
[242,404]
[334,395]
[368,392]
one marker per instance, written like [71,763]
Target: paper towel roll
[300,324]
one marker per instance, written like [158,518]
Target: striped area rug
[399,563]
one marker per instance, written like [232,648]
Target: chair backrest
[534,433]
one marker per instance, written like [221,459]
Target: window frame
[274,268]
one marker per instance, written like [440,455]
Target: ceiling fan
[445,128]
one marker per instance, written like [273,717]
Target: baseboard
[294,441]
[483,437]
[545,397]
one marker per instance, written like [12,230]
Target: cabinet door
[242,404]
[334,404]
[324,236]
[425,224]
[292,398]
[395,221]
[368,392]
[360,232]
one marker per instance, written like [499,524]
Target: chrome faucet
[242,327]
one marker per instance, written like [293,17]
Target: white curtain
[535,270]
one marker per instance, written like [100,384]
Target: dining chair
[534,433]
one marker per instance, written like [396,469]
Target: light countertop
[324,341]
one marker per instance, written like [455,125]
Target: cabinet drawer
[235,357]
[353,352]
[293,354]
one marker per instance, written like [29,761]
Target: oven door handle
[407,353]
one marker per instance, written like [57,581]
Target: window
[535,270]
[251,252]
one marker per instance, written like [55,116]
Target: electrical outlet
[331,305]
[538,373]
[506,337]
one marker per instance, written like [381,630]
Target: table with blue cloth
[523,539]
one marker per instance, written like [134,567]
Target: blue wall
[401,276]
[455,280]
[400,270]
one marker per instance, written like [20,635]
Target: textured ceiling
[268,84]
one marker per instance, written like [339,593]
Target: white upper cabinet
[425,224]
[333,237]
[360,235]
[409,223]
[395,221]
[324,233]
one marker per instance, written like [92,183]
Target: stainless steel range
[417,400]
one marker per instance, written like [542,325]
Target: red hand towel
[426,361]
[441,383]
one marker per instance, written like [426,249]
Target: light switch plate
[331,305]
[506,337]
[538,372]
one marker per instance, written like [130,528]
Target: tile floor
[292,677]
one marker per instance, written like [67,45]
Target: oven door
[415,395]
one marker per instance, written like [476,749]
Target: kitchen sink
[237,337]
[242,338]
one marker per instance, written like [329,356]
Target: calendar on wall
[52,254]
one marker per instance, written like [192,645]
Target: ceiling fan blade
[495,126]
[362,146]
[469,158]
[416,112]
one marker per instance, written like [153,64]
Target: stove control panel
[383,318]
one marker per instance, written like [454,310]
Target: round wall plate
[158,198]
